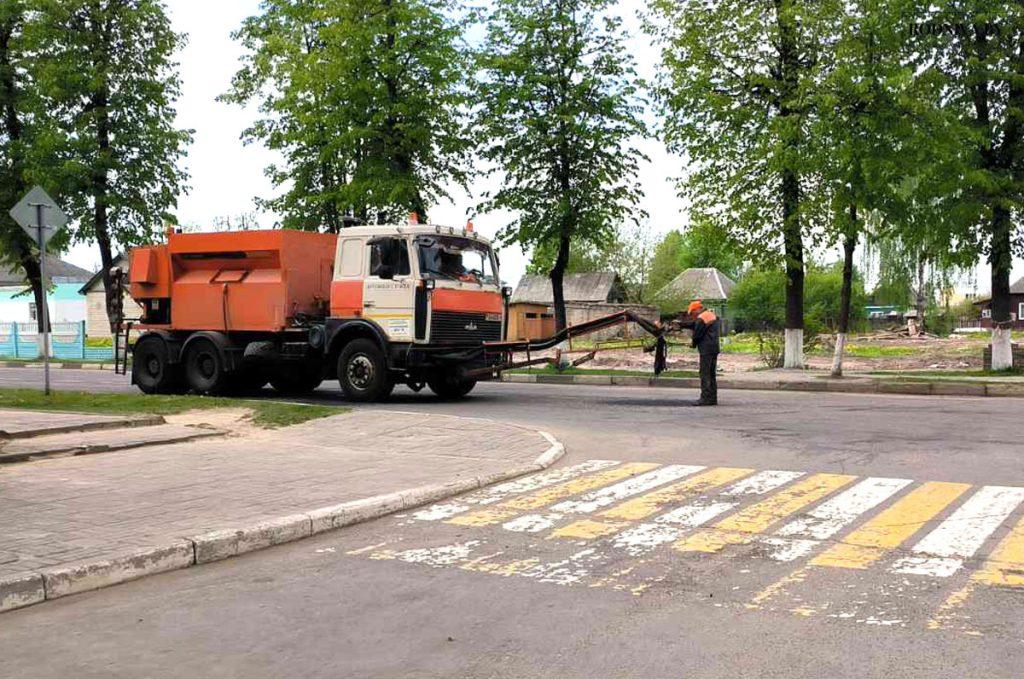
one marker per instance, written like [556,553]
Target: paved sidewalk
[78,509]
[25,423]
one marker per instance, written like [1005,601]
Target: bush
[759,301]
[771,349]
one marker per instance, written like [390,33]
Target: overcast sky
[226,175]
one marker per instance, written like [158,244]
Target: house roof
[1016,289]
[97,278]
[598,286]
[57,270]
[707,283]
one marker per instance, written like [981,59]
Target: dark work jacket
[706,332]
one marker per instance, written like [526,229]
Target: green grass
[551,370]
[99,342]
[875,351]
[266,414]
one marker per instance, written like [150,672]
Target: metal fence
[67,341]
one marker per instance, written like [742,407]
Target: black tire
[297,380]
[450,387]
[152,372]
[363,372]
[204,368]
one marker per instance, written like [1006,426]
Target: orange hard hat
[694,307]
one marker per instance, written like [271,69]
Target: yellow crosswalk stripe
[739,527]
[1005,566]
[892,527]
[550,495]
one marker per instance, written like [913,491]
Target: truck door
[389,289]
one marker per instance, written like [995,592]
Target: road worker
[706,331]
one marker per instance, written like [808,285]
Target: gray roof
[57,270]
[699,284]
[599,286]
[1016,289]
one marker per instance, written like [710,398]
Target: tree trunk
[846,295]
[1001,262]
[100,195]
[557,277]
[789,64]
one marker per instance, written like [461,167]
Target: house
[65,305]
[587,296]
[984,306]
[97,323]
[709,285]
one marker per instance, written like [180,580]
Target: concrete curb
[58,366]
[854,385]
[69,451]
[124,423]
[26,589]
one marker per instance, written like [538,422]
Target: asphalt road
[481,593]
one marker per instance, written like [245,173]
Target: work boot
[704,403]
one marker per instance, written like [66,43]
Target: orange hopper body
[248,281]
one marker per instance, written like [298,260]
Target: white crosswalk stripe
[942,552]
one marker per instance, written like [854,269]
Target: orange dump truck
[372,307]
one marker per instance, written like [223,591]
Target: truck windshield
[457,259]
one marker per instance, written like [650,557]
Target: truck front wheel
[363,371]
[450,387]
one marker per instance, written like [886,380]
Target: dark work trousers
[709,378]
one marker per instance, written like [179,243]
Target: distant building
[97,322]
[709,285]
[64,303]
[984,306]
[587,296]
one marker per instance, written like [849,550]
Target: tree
[18,108]
[363,100]
[978,46]
[665,265]
[707,245]
[737,96]
[558,110]
[107,73]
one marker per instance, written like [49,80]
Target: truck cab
[430,296]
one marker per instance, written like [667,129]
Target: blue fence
[67,342]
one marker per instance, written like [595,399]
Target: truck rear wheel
[363,371]
[152,372]
[204,367]
[450,387]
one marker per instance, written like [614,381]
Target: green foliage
[558,110]
[583,258]
[708,245]
[363,100]
[758,300]
[665,263]
[106,72]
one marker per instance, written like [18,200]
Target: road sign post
[41,218]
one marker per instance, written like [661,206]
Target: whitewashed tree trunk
[564,361]
[794,356]
[837,357]
[1002,349]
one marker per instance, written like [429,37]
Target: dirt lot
[865,354]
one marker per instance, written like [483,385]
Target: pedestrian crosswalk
[611,518]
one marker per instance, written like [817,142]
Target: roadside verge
[418,458]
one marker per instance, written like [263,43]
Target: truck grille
[448,327]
